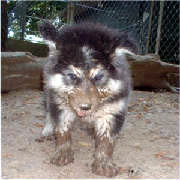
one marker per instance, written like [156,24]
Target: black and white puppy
[87,78]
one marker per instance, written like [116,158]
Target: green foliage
[35,10]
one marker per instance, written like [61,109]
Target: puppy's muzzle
[84,100]
[85,107]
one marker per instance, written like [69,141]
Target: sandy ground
[148,142]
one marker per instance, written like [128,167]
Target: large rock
[20,70]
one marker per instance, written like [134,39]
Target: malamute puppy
[87,78]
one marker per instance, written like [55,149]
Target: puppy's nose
[85,107]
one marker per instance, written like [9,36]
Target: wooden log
[150,72]
[20,71]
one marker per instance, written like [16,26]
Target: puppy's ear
[125,48]
[49,34]
[47,30]
[122,54]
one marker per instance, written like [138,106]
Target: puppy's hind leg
[48,130]
[49,127]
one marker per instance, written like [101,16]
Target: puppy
[87,78]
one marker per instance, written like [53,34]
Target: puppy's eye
[98,77]
[72,76]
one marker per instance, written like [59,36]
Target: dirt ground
[148,142]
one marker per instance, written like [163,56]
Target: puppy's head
[89,64]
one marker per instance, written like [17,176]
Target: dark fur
[103,42]
[100,38]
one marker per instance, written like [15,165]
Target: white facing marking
[94,71]
[56,82]
[76,70]
[114,85]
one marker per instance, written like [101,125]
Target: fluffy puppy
[86,78]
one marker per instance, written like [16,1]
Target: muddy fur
[87,78]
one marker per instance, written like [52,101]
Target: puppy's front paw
[104,168]
[62,158]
